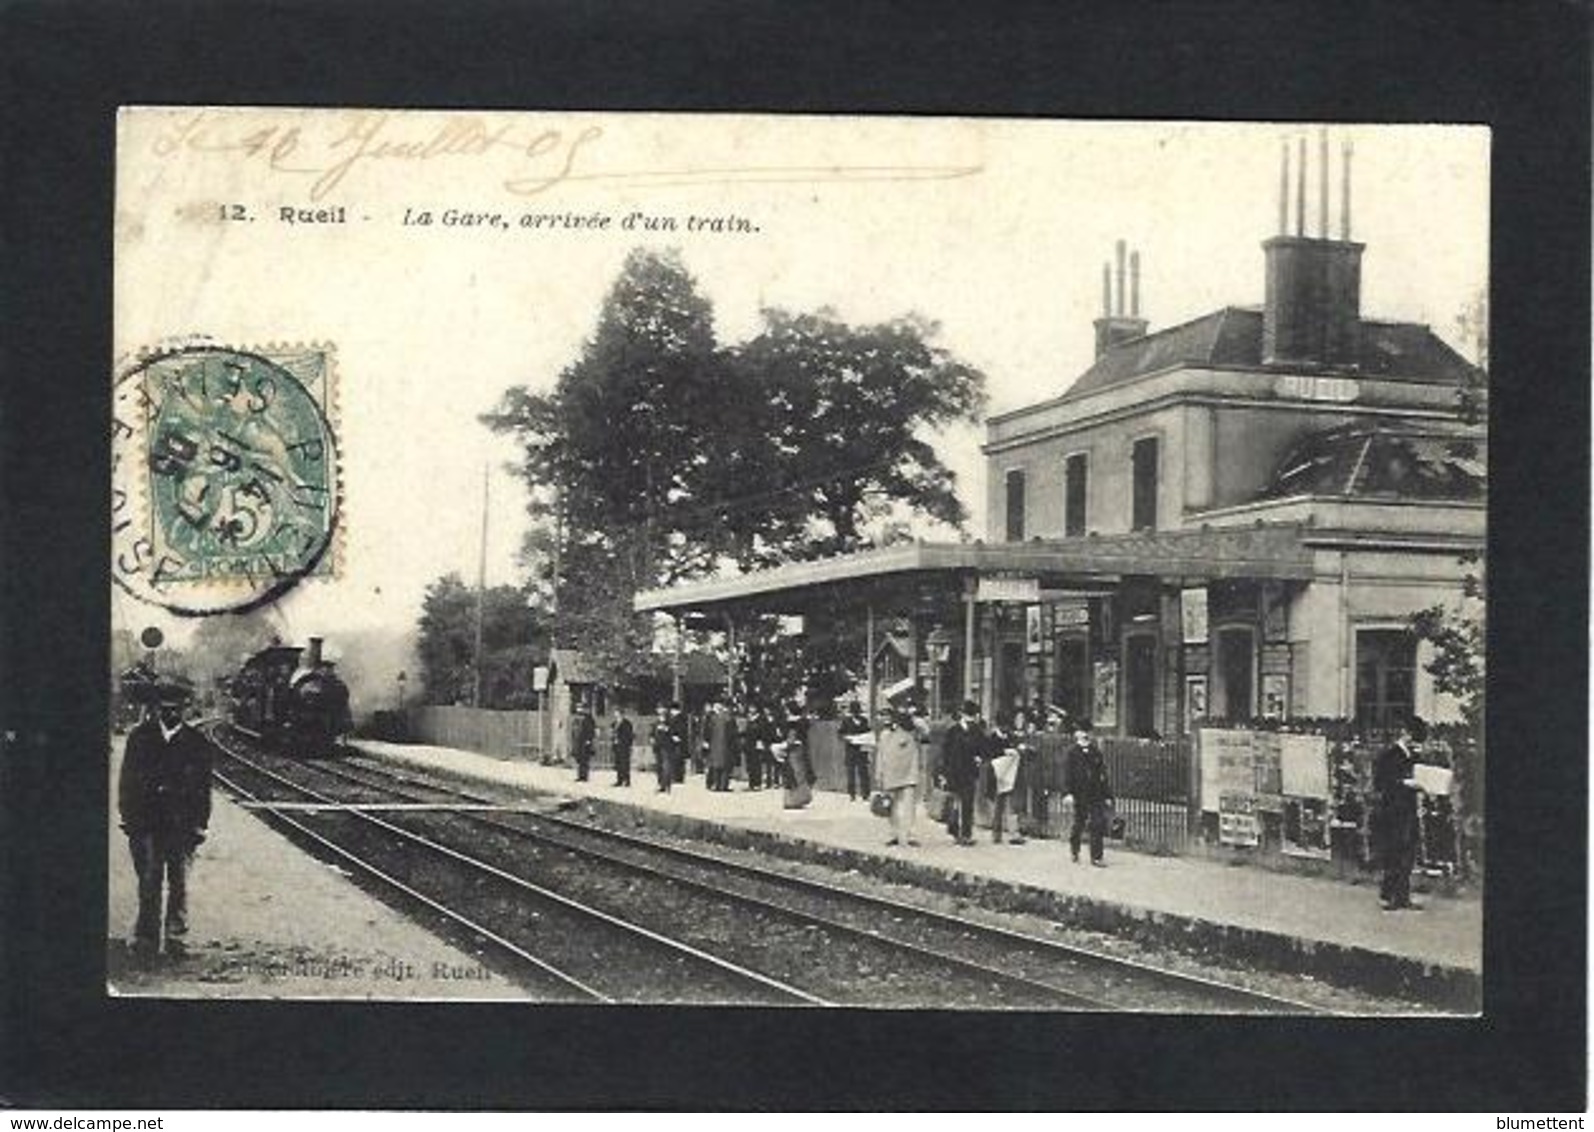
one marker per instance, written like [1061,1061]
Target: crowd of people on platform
[887,762]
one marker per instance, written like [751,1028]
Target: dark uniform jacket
[961,750]
[851,725]
[165,785]
[585,737]
[624,735]
[1087,775]
[1395,822]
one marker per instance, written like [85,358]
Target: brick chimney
[1114,325]
[1312,312]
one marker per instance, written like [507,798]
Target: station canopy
[930,576]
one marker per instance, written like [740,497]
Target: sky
[995,229]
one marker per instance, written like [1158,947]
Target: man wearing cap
[163,797]
[961,749]
[1091,791]
[1395,827]
[583,741]
[853,729]
[666,745]
[899,754]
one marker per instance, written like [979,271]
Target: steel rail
[972,967]
[1168,977]
[545,893]
[462,920]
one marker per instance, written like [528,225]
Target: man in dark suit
[1091,791]
[583,741]
[1396,819]
[621,739]
[854,725]
[961,750]
[666,747]
[163,796]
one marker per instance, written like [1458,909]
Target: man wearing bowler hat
[163,797]
[961,750]
[1091,791]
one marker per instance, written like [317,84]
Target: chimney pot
[1300,189]
[1120,308]
[1322,183]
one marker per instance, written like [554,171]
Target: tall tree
[660,455]
[619,451]
[848,424]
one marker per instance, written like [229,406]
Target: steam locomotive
[291,699]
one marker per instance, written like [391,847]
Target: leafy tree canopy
[661,454]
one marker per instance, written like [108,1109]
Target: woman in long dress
[797,773]
[898,757]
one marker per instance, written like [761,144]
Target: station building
[1232,518]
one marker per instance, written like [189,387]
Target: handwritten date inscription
[542,157]
[326,152]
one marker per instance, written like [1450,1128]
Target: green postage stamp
[225,486]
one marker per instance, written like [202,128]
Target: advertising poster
[1104,705]
[1306,828]
[1303,766]
[1265,753]
[1238,823]
[1226,765]
[1275,696]
[1195,701]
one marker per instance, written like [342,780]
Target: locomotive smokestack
[312,653]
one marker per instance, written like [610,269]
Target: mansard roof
[1231,338]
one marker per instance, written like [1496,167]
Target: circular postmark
[224,480]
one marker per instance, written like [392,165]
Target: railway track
[887,944]
[558,948]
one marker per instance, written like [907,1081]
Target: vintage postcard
[785,560]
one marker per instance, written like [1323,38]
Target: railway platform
[269,921]
[1315,926]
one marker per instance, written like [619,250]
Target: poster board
[1227,766]
[1307,796]
[1266,747]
